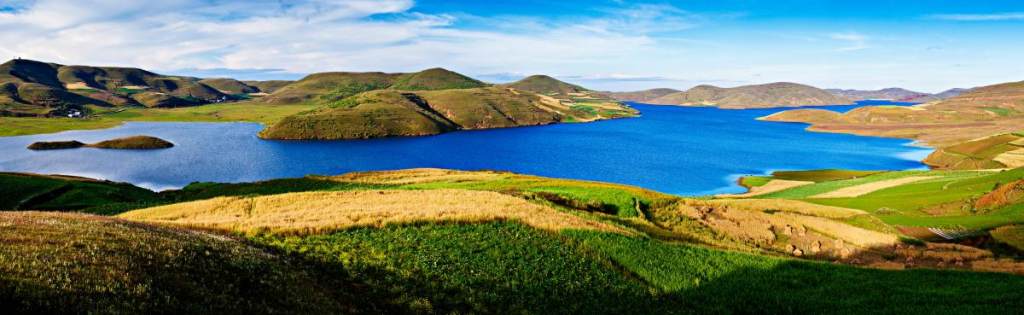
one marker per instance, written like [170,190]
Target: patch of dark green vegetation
[55,145]
[701,280]
[126,143]
[38,192]
[134,143]
[821,175]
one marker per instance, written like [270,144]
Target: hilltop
[642,96]
[546,85]
[334,86]
[896,94]
[977,113]
[780,94]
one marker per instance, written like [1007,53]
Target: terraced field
[940,199]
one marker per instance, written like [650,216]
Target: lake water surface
[681,150]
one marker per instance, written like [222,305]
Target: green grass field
[443,267]
[48,193]
[107,117]
[489,267]
[943,201]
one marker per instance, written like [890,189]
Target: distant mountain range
[781,94]
[896,94]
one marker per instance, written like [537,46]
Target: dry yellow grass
[850,234]
[1012,159]
[772,186]
[417,176]
[794,206]
[863,189]
[316,212]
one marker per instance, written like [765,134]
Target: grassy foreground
[441,241]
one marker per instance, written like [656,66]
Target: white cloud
[854,41]
[319,35]
[1006,16]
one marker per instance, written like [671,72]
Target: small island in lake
[126,143]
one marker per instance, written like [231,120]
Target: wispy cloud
[854,41]
[319,35]
[1003,16]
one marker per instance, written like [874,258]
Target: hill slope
[385,113]
[547,85]
[896,94]
[752,96]
[71,263]
[30,87]
[642,96]
[980,112]
[435,79]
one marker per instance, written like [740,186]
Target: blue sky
[611,45]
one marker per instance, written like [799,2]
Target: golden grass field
[863,189]
[772,186]
[316,212]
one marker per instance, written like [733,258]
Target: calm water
[678,150]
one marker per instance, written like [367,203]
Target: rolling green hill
[546,85]
[269,86]
[330,86]
[433,101]
[230,86]
[41,192]
[435,79]
[386,113]
[780,94]
[37,88]
[70,263]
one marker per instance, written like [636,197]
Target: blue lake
[680,150]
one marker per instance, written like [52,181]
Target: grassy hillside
[435,79]
[547,85]
[937,199]
[40,192]
[752,96]
[229,86]
[329,87]
[977,113]
[386,113]
[268,86]
[70,263]
[994,152]
[33,88]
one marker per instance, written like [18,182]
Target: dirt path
[772,186]
[863,189]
